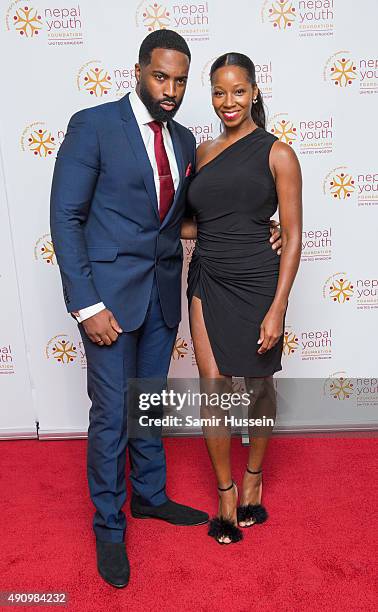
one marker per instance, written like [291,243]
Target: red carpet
[317,551]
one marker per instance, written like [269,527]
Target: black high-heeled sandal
[256,512]
[220,527]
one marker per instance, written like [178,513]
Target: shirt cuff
[85,313]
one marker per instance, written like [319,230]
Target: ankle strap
[227,488]
[252,472]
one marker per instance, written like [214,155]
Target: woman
[238,288]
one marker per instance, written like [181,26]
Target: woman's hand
[189,229]
[275,236]
[271,330]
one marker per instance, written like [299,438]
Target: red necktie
[167,189]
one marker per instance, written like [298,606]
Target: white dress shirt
[143,117]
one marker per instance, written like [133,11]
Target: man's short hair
[162,39]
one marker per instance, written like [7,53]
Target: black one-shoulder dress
[234,270]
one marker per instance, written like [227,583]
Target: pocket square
[188,170]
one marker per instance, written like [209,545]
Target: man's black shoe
[112,563]
[177,514]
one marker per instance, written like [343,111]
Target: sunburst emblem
[290,343]
[41,143]
[343,72]
[238,386]
[285,131]
[97,81]
[342,185]
[282,14]
[341,290]
[64,351]
[156,17]
[341,388]
[180,349]
[48,252]
[27,22]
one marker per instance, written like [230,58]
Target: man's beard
[153,106]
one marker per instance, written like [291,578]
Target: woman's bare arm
[288,178]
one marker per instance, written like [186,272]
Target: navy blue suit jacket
[105,223]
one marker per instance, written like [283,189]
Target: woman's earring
[254,101]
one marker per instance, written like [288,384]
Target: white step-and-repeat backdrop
[317,67]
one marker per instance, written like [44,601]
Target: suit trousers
[143,353]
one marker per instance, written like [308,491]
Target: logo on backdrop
[6,359]
[308,344]
[264,79]
[368,75]
[342,70]
[338,288]
[366,392]
[94,79]
[317,244]
[363,392]
[62,350]
[308,18]
[283,127]
[362,292]
[280,14]
[26,20]
[341,183]
[82,358]
[308,135]
[316,135]
[97,80]
[180,349]
[155,16]
[290,341]
[191,20]
[39,140]
[124,80]
[205,131]
[59,26]
[339,386]
[44,250]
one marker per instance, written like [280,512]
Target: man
[117,203]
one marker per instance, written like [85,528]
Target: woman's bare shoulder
[205,148]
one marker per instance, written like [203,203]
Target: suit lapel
[137,145]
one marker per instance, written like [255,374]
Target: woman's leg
[263,404]
[218,438]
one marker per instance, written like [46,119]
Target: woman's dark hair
[243,61]
[162,39]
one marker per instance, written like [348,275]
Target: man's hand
[102,328]
[275,238]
